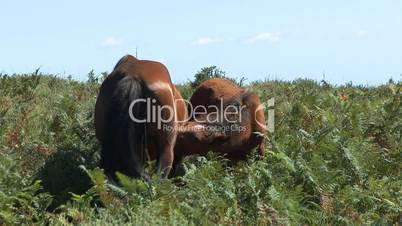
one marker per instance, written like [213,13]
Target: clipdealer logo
[227,117]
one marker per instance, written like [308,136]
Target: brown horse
[239,133]
[126,127]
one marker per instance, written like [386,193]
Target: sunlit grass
[334,159]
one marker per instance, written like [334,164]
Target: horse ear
[246,94]
[249,98]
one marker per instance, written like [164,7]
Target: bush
[61,176]
[212,72]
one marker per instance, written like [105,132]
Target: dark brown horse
[136,116]
[235,135]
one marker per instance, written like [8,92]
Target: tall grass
[334,159]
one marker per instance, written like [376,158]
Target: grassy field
[335,158]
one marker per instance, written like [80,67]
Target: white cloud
[361,34]
[270,37]
[112,41]
[207,41]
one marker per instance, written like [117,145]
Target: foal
[235,135]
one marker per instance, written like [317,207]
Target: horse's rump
[124,141]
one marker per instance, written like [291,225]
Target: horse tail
[124,148]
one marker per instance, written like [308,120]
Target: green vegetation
[212,72]
[334,159]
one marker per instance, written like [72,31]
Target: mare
[126,127]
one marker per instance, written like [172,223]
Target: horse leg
[261,149]
[178,167]
[165,145]
[165,142]
[164,126]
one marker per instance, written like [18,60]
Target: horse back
[213,91]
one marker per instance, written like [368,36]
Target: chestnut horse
[238,137]
[127,142]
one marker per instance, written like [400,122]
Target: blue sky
[358,41]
